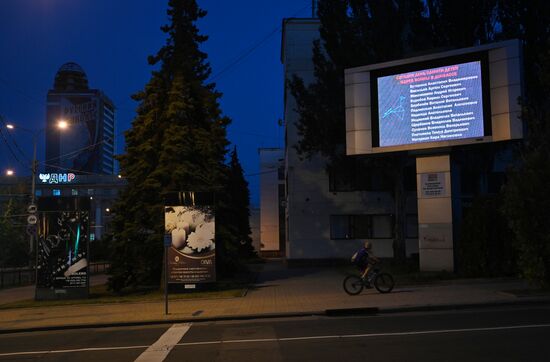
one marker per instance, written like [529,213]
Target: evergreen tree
[177,143]
[237,187]
[233,241]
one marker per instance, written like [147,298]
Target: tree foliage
[177,142]
[527,195]
[13,243]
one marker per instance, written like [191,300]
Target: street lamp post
[61,124]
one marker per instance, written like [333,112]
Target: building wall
[255,228]
[88,143]
[270,161]
[310,203]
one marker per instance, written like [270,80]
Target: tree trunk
[400,198]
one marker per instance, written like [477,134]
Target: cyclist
[364,259]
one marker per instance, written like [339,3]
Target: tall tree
[234,244]
[527,195]
[353,33]
[361,32]
[177,143]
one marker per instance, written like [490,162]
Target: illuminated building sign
[57,178]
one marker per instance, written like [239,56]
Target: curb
[370,311]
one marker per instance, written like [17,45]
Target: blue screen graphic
[430,105]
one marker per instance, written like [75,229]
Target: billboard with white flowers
[192,253]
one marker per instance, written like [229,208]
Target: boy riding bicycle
[364,259]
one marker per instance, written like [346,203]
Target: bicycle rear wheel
[384,283]
[353,284]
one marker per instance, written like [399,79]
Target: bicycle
[383,282]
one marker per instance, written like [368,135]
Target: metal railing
[15,277]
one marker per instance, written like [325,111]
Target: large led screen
[430,105]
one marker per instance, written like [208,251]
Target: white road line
[185,327]
[159,350]
[368,335]
[91,349]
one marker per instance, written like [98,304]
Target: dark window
[340,227]
[358,174]
[361,227]
[382,227]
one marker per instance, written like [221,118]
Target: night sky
[111,41]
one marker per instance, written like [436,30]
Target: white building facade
[272,194]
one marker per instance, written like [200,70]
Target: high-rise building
[87,146]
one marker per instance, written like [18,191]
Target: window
[361,227]
[90,192]
[356,174]
[382,227]
[340,227]
[38,192]
[92,236]
[74,192]
[56,192]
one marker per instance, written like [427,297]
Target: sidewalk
[279,291]
[17,294]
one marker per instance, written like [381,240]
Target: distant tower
[88,145]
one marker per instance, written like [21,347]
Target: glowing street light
[62,124]
[10,172]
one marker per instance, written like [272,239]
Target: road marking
[159,350]
[186,327]
[367,335]
[91,349]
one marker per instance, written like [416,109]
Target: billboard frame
[502,81]
[482,57]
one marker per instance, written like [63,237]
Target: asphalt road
[504,334]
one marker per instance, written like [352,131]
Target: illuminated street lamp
[61,124]
[10,172]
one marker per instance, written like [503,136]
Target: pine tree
[177,142]
[233,241]
[237,187]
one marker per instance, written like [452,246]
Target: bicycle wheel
[384,283]
[353,284]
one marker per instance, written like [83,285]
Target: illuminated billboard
[439,100]
[62,251]
[427,105]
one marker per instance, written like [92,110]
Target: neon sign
[57,178]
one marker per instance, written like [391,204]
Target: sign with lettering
[192,248]
[57,178]
[433,184]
